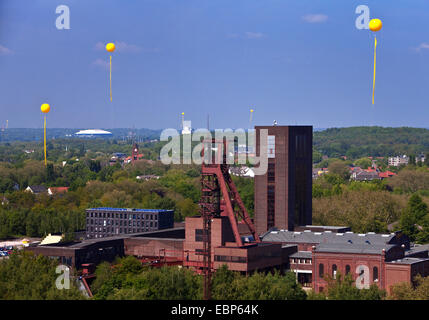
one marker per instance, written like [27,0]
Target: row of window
[347,271]
[118,230]
[301,261]
[230,259]
[122,215]
[121,223]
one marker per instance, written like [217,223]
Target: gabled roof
[37,189]
[58,189]
[286,236]
[365,248]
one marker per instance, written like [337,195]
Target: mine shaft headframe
[217,173]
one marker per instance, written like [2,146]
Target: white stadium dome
[93,132]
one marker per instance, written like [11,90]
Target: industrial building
[283,194]
[107,222]
[224,233]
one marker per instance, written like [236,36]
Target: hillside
[356,142]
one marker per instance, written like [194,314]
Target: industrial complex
[280,236]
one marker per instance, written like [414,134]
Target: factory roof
[408,260]
[310,237]
[301,254]
[360,248]
[158,234]
[416,249]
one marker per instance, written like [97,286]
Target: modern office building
[107,222]
[283,194]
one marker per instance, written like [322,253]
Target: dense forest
[358,142]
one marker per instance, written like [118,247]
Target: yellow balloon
[183,113]
[110,47]
[251,110]
[375,25]
[45,108]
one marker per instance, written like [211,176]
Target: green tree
[344,288]
[363,163]
[412,217]
[25,276]
[339,168]
[419,290]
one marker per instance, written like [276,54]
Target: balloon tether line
[373,82]
[110,78]
[44,135]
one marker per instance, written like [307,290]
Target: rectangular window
[270,205]
[271,177]
[199,234]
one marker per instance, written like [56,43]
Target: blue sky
[299,62]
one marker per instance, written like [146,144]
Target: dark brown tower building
[135,153]
[283,194]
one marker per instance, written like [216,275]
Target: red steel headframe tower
[216,182]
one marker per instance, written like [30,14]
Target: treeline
[23,213]
[358,142]
[30,277]
[59,150]
[396,203]
[130,280]
[30,134]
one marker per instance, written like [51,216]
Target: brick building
[155,245]
[283,194]
[247,258]
[382,259]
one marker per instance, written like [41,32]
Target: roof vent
[339,234]
[318,233]
[328,231]
[307,230]
[361,234]
[297,232]
[349,231]
[349,241]
[274,232]
[385,235]
[371,232]
[367,241]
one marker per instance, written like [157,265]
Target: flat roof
[417,249]
[301,254]
[408,260]
[87,242]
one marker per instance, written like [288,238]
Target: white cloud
[5,51]
[315,18]
[125,47]
[104,64]
[423,45]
